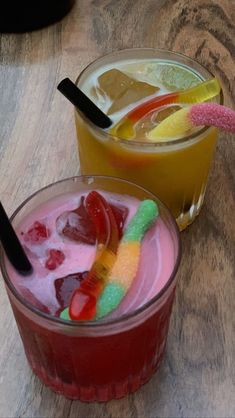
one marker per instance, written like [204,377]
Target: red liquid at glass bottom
[96,368]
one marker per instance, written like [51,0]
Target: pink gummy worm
[212,114]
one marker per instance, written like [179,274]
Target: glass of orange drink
[175,169]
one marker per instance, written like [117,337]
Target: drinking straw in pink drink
[12,245]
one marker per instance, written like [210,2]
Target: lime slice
[171,76]
[176,77]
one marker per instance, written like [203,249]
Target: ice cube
[77,225]
[164,113]
[123,90]
[65,287]
[142,127]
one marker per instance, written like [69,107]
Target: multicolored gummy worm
[203,114]
[109,291]
[127,261]
[200,93]
[84,299]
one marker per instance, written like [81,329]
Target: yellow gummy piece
[204,91]
[103,263]
[126,264]
[123,129]
[174,126]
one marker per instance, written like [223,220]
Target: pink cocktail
[100,359]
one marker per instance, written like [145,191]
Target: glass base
[115,390]
[188,216]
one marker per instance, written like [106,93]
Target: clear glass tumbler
[176,170]
[95,360]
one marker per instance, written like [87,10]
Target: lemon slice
[176,125]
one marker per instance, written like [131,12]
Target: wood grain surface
[38,146]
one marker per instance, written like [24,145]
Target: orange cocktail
[175,169]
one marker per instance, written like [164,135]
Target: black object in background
[27,15]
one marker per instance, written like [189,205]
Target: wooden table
[38,146]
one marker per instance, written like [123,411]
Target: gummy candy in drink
[83,302]
[126,264]
[202,92]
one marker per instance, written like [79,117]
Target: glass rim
[101,323]
[133,143]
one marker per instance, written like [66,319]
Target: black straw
[12,245]
[84,104]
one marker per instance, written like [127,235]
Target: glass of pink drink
[113,356]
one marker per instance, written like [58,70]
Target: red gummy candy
[77,225]
[151,104]
[65,286]
[83,302]
[37,234]
[55,259]
[83,306]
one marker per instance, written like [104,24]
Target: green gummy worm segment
[65,314]
[146,213]
[109,299]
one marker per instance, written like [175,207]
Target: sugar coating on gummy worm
[126,265]
[212,114]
